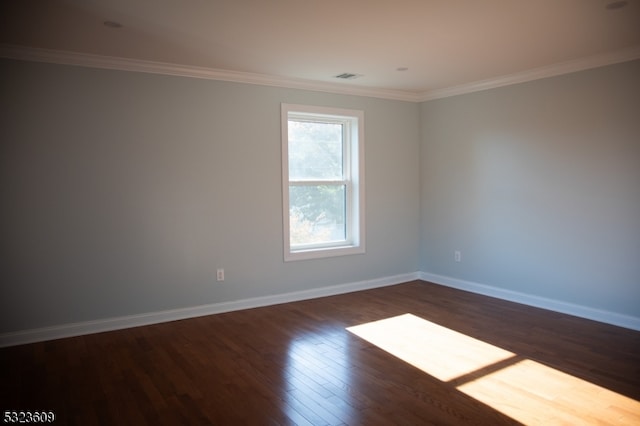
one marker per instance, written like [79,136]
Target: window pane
[316,214]
[315,151]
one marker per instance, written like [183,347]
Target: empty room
[296,212]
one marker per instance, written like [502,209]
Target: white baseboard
[607,317]
[110,324]
[118,323]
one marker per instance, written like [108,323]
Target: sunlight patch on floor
[525,390]
[439,351]
[534,393]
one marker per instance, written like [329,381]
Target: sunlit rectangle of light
[436,350]
[533,393]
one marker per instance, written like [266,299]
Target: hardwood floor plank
[297,363]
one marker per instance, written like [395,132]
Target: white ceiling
[445,44]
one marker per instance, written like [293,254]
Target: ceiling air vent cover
[348,76]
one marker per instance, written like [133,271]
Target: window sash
[348,239]
[344,142]
[352,180]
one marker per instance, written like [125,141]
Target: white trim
[353,146]
[534,74]
[136,65]
[118,323]
[607,317]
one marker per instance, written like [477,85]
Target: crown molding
[136,65]
[554,70]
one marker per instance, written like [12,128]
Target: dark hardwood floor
[297,363]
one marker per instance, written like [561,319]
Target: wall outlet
[457,256]
[220,274]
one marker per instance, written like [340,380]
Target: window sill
[318,253]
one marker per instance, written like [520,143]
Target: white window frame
[353,179]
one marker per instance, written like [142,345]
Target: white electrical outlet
[220,274]
[457,256]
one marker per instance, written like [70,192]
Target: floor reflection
[318,379]
[525,390]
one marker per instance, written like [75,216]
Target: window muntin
[323,189]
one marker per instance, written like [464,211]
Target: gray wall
[123,192]
[538,185]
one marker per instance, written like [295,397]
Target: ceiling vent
[348,76]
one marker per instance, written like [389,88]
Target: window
[323,181]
